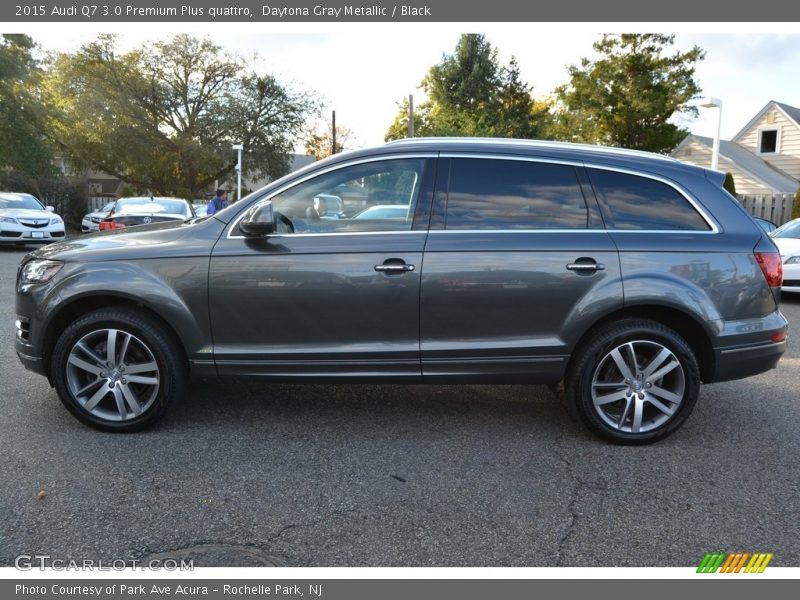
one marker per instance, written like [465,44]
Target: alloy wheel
[112,375]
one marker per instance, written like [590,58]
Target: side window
[514,194]
[632,202]
[373,196]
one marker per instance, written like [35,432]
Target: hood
[787,246]
[159,240]
[26,213]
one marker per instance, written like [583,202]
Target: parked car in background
[384,211]
[509,266]
[200,208]
[787,238]
[25,220]
[766,225]
[91,221]
[128,212]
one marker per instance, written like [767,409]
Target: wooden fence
[777,208]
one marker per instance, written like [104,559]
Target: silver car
[25,220]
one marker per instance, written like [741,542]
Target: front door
[331,294]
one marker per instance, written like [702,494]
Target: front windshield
[23,201]
[789,230]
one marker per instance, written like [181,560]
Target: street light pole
[238,148]
[715,103]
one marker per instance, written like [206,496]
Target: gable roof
[748,162]
[792,113]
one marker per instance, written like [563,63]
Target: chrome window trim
[714,229]
[314,174]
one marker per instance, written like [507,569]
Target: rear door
[517,265]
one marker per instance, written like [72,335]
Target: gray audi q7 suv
[622,279]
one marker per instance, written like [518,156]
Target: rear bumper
[740,362]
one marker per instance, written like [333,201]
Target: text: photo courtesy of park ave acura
[502,241]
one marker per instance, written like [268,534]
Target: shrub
[729,184]
[796,205]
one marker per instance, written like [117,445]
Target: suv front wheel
[117,370]
[634,382]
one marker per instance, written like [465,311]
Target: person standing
[217,203]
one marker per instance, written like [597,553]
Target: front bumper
[11,233]
[28,351]
[791,278]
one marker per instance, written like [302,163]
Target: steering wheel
[283,224]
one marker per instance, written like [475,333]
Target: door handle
[394,267]
[586,267]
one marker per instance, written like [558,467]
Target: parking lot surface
[249,474]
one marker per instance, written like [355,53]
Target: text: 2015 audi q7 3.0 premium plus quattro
[629,277]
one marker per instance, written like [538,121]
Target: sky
[363,70]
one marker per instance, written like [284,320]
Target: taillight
[771,267]
[107,225]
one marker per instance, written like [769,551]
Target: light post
[715,103]
[238,148]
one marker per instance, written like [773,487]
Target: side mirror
[50,208]
[258,221]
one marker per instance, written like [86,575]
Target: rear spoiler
[715,177]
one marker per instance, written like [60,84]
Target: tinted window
[632,202]
[510,194]
[328,203]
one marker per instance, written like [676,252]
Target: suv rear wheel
[634,382]
[116,369]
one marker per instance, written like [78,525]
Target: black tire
[125,406]
[596,370]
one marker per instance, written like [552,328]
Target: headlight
[792,260]
[8,220]
[56,221]
[39,271]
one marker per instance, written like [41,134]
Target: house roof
[750,163]
[792,113]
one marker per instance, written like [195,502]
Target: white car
[91,221]
[787,239]
[24,220]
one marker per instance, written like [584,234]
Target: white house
[764,157]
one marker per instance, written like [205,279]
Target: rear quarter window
[638,203]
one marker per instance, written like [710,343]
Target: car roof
[152,198]
[567,151]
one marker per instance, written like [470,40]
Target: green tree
[23,146]
[163,117]
[629,95]
[471,93]
[319,141]
[796,205]
[729,184]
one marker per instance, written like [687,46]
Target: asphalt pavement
[246,474]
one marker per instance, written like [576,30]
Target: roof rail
[543,144]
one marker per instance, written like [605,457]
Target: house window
[768,141]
